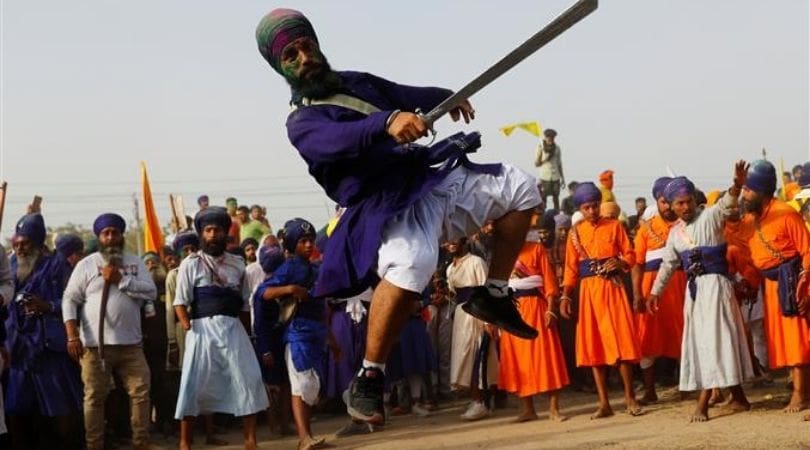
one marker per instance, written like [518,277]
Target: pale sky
[90,88]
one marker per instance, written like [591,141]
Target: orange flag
[152,234]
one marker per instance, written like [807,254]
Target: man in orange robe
[780,249]
[531,367]
[597,252]
[659,334]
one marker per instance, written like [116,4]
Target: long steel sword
[564,21]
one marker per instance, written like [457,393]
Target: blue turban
[68,244]
[804,179]
[677,187]
[213,215]
[585,193]
[184,239]
[761,178]
[271,257]
[658,187]
[32,226]
[294,230]
[107,220]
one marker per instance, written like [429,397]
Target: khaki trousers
[129,363]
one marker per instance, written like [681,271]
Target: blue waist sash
[533,292]
[705,260]
[212,301]
[463,294]
[653,265]
[786,275]
[593,267]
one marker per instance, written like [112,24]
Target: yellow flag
[152,234]
[530,127]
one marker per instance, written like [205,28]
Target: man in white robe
[714,348]
[220,370]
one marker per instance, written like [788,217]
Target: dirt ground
[664,425]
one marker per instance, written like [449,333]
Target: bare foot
[634,410]
[698,416]
[807,418]
[251,445]
[211,440]
[648,399]
[525,417]
[556,416]
[796,404]
[716,398]
[602,412]
[311,443]
[184,446]
[738,406]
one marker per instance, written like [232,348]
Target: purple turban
[271,257]
[585,193]
[107,220]
[658,187]
[213,215]
[562,220]
[294,230]
[32,226]
[677,187]
[184,239]
[68,244]
[202,199]
[277,29]
[761,178]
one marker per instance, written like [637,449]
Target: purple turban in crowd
[213,215]
[202,199]
[585,193]
[107,220]
[562,220]
[32,226]
[277,29]
[678,187]
[68,244]
[271,257]
[294,230]
[761,178]
[658,187]
[184,239]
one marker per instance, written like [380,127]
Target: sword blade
[564,21]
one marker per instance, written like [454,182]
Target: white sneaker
[419,410]
[476,411]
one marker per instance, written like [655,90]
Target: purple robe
[363,169]
[351,338]
[42,378]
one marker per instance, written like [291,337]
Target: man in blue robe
[355,132]
[44,385]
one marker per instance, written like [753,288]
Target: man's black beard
[321,85]
[669,215]
[751,206]
[27,263]
[213,248]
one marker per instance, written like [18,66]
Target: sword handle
[428,121]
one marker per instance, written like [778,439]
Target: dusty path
[664,425]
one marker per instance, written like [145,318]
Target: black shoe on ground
[499,311]
[364,397]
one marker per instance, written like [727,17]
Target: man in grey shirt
[549,161]
[114,345]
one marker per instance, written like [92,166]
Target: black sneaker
[364,397]
[499,311]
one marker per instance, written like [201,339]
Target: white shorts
[456,207]
[304,384]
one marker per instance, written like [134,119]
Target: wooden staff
[3,188]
